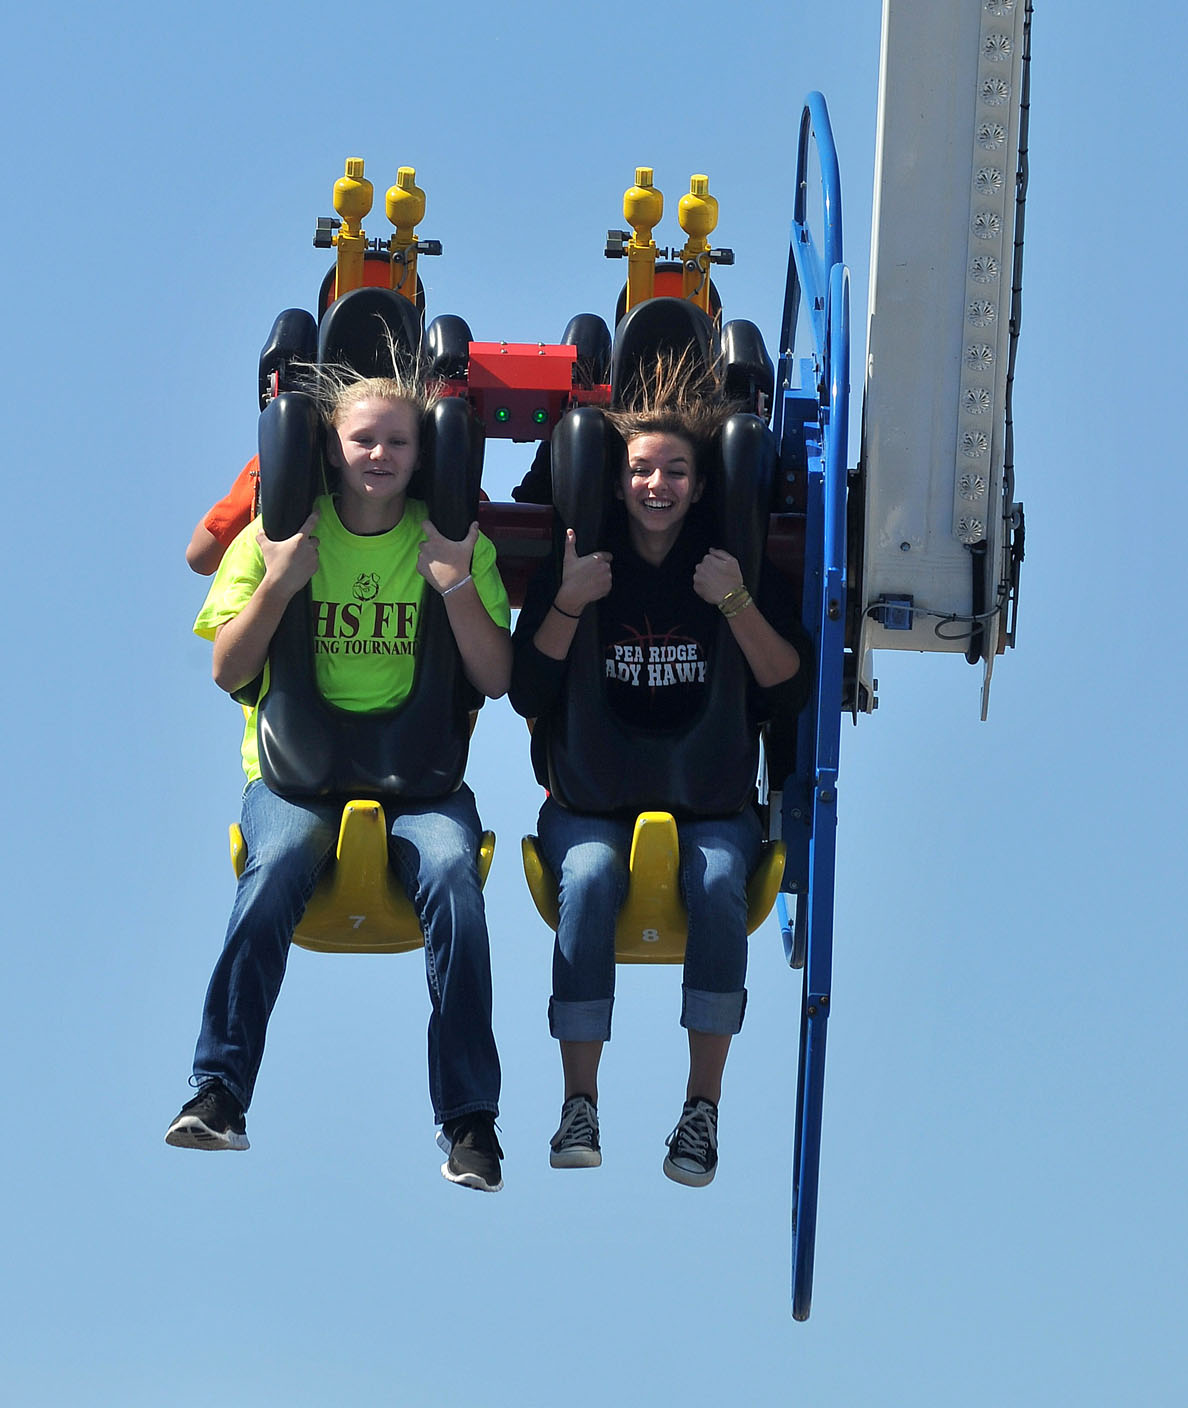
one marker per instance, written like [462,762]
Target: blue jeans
[589,856]
[432,847]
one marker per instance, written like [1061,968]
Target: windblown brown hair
[681,396]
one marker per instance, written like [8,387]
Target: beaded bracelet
[468,578]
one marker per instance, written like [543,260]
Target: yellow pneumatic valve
[643,207]
[352,201]
[698,214]
[405,204]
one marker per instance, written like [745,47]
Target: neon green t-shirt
[366,601]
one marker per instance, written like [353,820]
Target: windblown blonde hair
[336,386]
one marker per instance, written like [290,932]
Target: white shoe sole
[469,1180]
[191,1133]
[691,1178]
[575,1158]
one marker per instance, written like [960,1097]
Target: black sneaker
[474,1152]
[575,1145]
[693,1145]
[212,1120]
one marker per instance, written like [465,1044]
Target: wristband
[569,614]
[468,578]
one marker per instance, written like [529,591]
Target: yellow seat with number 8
[653,925]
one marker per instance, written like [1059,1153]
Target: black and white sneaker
[575,1145]
[693,1145]
[474,1152]
[212,1120]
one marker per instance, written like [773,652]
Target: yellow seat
[653,924]
[359,905]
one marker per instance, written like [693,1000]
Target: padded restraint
[309,748]
[597,763]
[658,327]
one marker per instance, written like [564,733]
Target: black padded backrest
[293,338]
[447,346]
[591,336]
[660,327]
[598,764]
[309,748]
[746,370]
[352,331]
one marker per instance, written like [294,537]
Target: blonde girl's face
[374,447]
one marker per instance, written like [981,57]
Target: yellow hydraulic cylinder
[352,201]
[643,206]
[405,204]
[698,214]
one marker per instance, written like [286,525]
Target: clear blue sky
[1002,1212]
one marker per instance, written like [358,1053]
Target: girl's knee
[593,873]
[451,881]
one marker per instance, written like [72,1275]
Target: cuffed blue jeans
[433,846]
[589,856]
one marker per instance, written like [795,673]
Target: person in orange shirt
[215,531]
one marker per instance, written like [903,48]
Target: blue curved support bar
[815,127]
[818,908]
[813,411]
[808,268]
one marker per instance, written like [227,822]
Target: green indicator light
[539,417]
[502,415]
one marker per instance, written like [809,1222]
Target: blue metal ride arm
[818,284]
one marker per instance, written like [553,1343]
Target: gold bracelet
[734,602]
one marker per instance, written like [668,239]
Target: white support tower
[938,341]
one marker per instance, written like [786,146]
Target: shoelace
[215,1096]
[579,1124]
[695,1135]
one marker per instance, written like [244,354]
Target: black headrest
[351,331]
[659,327]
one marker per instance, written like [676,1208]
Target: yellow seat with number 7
[359,905]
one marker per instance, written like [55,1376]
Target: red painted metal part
[520,390]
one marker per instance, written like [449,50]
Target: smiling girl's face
[374,447]
[659,484]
